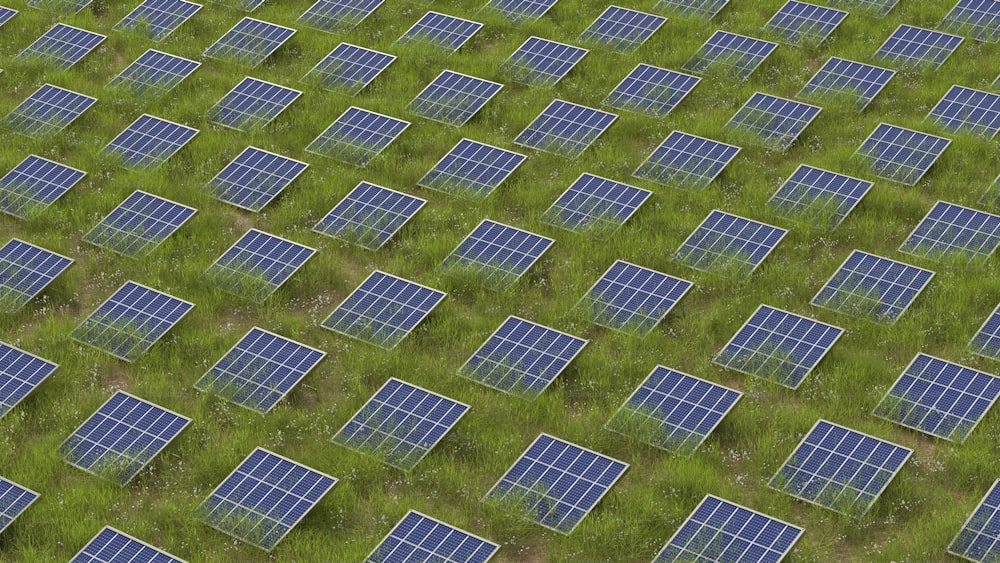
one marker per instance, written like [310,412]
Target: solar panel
[369,216]
[48,110]
[122,437]
[139,224]
[719,530]
[986,342]
[621,29]
[25,271]
[252,104]
[14,499]
[264,498]
[258,264]
[255,178]
[651,90]
[497,254]
[522,358]
[383,310]
[876,8]
[421,538]
[819,195]
[357,136]
[472,170]
[112,546]
[901,155]
[801,22]
[519,11]
[730,54]
[149,141]
[556,483]
[156,71]
[453,98]
[964,110]
[686,161]
[979,538]
[632,299]
[541,62]
[441,30]
[595,205]
[871,286]
[565,129]
[249,42]
[338,16]
[35,184]
[729,243]
[950,229]
[915,47]
[673,411]
[20,374]
[349,68]
[843,79]
[158,18]
[979,19]
[6,14]
[260,370]
[62,7]
[775,122]
[63,45]
[840,469]
[702,9]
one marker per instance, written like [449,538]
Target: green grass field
[916,518]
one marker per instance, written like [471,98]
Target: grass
[914,520]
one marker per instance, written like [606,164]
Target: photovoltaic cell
[264,498]
[651,90]
[915,47]
[596,205]
[632,299]
[20,374]
[252,104]
[48,110]
[149,141]
[686,161]
[621,29]
[14,499]
[249,42]
[519,11]
[819,195]
[776,122]
[338,16]
[140,224]
[497,254]
[522,358]
[260,370]
[369,216]
[800,22]
[421,538]
[357,136]
[901,155]
[453,98]
[63,45]
[255,178]
[156,71]
[871,286]
[848,79]
[541,62]
[986,342]
[964,110]
[401,424]
[6,14]
[112,546]
[979,538]
[349,68]
[876,8]
[565,129]
[35,184]
[737,55]
[950,229]
[158,18]
[25,271]
[704,9]
[977,18]
[257,265]
[557,483]
[728,242]
[472,169]
[441,30]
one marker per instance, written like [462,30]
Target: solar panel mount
[497,255]
[357,136]
[632,299]
[255,178]
[965,110]
[60,7]
[148,142]
[684,160]
[873,8]
[369,216]
[775,122]
[730,55]
[257,265]
[155,71]
[729,243]
[901,155]
[48,110]
[621,29]
[338,16]
[819,196]
[249,42]
[916,48]
[14,500]
[595,205]
[349,68]
[442,31]
[986,342]
[158,18]
[112,546]
[6,14]
[803,23]
[421,538]
[25,271]
[453,98]
[472,170]
[699,9]
[20,374]
[651,90]
[843,79]
[139,224]
[35,184]
[521,11]
[954,230]
[542,62]
[63,45]
[979,19]
[252,104]
[565,128]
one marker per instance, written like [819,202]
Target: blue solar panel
[596,205]
[6,14]
[565,129]
[252,104]
[441,30]
[819,195]
[844,79]
[840,469]
[632,299]
[497,254]
[369,216]
[915,47]
[673,411]
[651,90]
[453,98]
[14,499]
[140,224]
[731,54]
[25,271]
[20,374]
[719,530]
[541,62]
[264,498]
[522,358]
[338,16]
[964,110]
[949,230]
[421,538]
[349,68]
[872,286]
[519,11]
[61,7]
[254,178]
[979,19]
[979,538]
[775,122]
[357,136]
[48,110]
[148,142]
[258,264]
[112,546]
[986,342]
[686,161]
[729,243]
[472,170]
[155,70]
[63,45]
[260,370]
[876,8]
[35,184]
[383,309]
[158,18]
[621,29]
[800,22]
[901,155]
[249,42]
[556,483]
[702,9]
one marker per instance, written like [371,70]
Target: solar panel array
[915,47]
[249,42]
[155,70]
[338,16]
[801,22]
[686,161]
[632,299]
[25,271]
[14,499]
[964,110]
[979,19]
[497,254]
[472,169]
[775,122]
[845,79]
[728,242]
[704,9]
[453,98]
[651,90]
[979,539]
[258,264]
[139,224]
[901,155]
[730,53]
[6,14]
[519,11]
[34,184]
[112,546]
[20,374]
[986,342]
[63,45]
[949,230]
[871,286]
[421,538]
[596,205]
[48,110]
[252,104]
[442,31]
[369,216]
[357,136]
[819,195]
[542,62]
[565,128]
[158,18]
[621,29]
[349,68]
[148,142]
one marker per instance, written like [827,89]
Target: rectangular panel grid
[950,229]
[840,469]
[421,538]
[349,68]
[264,498]
[357,136]
[986,342]
[557,483]
[522,358]
[20,374]
[158,18]
[63,45]
[472,170]
[6,14]
[728,242]
[441,30]
[632,299]
[519,11]
[369,216]
[651,90]
[112,546]
[871,286]
[596,205]
[338,16]
[979,538]
[915,47]
[819,195]
[874,8]
[131,321]
[977,18]
[258,264]
[779,346]
[621,29]
[254,178]
[139,224]
[122,437]
[901,155]
[964,110]
[149,141]
[252,104]
[719,530]
[400,424]
[732,54]
[673,411]
[686,161]
[48,110]
[541,62]
[565,129]
[497,254]
[844,79]
[453,98]
[14,499]
[260,370]
[703,9]
[156,71]
[249,42]
[35,184]
[776,122]
[25,271]
[383,310]
[800,22]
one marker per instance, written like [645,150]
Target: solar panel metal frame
[237,97]
[991,197]
[378,555]
[498,174]
[6,14]
[873,8]
[7,290]
[957,115]
[669,145]
[60,7]
[488,271]
[371,71]
[813,24]
[451,47]
[981,221]
[980,16]
[70,177]
[751,121]
[368,155]
[892,318]
[105,225]
[335,14]
[248,61]
[801,176]
[124,545]
[990,336]
[68,61]
[617,42]
[725,38]
[11,370]
[554,68]
[865,95]
[351,231]
[41,102]
[594,212]
[274,182]
[149,161]
[892,165]
[22,491]
[134,19]
[508,8]
[622,95]
[263,277]
[424,105]
[180,69]
[729,259]
[671,303]
[909,61]
[548,140]
[986,512]
[703,9]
